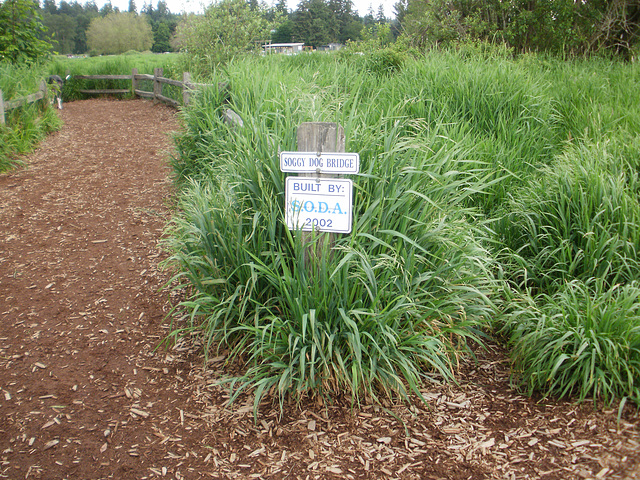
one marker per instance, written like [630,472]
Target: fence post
[157,86]
[134,82]
[319,137]
[186,88]
[1,108]
[44,92]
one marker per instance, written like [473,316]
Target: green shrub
[384,61]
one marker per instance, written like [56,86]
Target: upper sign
[325,162]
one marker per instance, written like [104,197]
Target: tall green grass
[583,341]
[27,125]
[472,167]
[376,314]
[579,219]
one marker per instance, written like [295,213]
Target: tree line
[230,27]
[69,25]
[567,27]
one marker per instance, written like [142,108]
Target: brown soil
[85,395]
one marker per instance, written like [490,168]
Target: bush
[384,61]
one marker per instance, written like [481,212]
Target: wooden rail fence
[135,78]
[5,106]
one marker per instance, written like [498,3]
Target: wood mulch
[86,395]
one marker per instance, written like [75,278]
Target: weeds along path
[84,394]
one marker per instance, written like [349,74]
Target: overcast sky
[178,6]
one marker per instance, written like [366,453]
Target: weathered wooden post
[319,137]
[186,88]
[42,93]
[1,108]
[134,81]
[318,201]
[157,86]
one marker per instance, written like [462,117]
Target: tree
[228,28]
[284,32]
[106,9]
[63,29]
[119,32]
[315,23]
[349,26]
[400,9]
[21,30]
[161,37]
[132,6]
[381,18]
[559,26]
[281,6]
[369,19]
[49,6]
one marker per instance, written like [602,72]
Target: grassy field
[498,197]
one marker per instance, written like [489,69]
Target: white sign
[324,205]
[329,163]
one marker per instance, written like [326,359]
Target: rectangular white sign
[324,205]
[330,163]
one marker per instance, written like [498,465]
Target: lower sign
[324,205]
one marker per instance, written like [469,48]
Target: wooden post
[186,88]
[43,94]
[319,137]
[134,82]
[157,86]
[1,108]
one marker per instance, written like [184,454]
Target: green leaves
[227,29]
[21,32]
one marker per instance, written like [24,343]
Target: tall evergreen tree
[49,6]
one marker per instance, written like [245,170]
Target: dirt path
[85,396]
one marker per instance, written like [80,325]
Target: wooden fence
[135,78]
[19,102]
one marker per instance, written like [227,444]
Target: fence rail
[135,77]
[19,102]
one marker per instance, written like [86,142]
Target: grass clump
[577,220]
[27,125]
[583,341]
[373,316]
